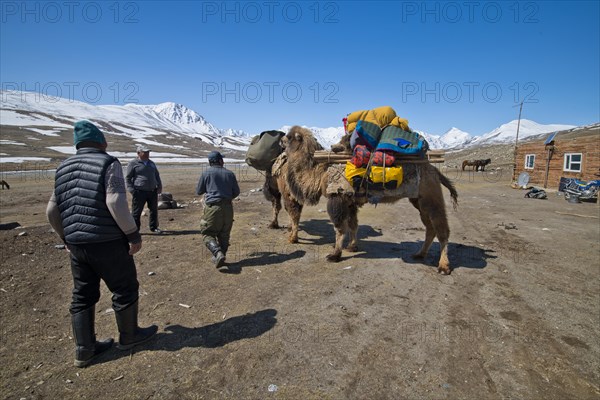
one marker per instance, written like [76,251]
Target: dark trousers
[141,198]
[109,261]
[216,224]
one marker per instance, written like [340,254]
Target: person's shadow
[261,259]
[176,337]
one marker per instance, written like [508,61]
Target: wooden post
[514,177]
[548,157]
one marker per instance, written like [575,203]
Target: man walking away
[220,187]
[88,210]
[144,184]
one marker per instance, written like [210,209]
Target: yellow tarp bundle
[376,174]
[382,116]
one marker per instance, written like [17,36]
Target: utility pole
[514,177]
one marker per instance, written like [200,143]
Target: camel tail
[450,186]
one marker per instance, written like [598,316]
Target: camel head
[300,142]
[343,146]
[486,162]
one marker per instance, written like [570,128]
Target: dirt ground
[518,318]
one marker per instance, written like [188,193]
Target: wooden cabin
[574,153]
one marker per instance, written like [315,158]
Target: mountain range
[150,124]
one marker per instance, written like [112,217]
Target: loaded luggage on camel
[376,146]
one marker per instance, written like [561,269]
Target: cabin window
[573,162]
[529,161]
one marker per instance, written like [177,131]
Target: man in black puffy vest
[89,211]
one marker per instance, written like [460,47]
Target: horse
[476,164]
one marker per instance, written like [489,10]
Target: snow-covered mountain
[139,122]
[178,113]
[148,123]
[325,136]
[454,138]
[507,133]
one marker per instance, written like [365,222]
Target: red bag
[361,156]
[378,159]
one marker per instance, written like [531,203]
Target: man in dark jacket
[219,187]
[88,210]
[144,184]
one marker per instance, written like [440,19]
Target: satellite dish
[523,179]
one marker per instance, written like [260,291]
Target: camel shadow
[459,255]
[219,334]
[261,259]
[326,234]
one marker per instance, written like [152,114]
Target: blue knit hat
[215,156]
[85,131]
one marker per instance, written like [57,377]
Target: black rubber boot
[86,346]
[218,257]
[130,334]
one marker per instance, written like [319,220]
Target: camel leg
[353,228]
[336,255]
[429,233]
[436,224]
[338,210]
[276,207]
[294,209]
[442,231]
[295,213]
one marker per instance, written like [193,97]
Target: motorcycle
[581,189]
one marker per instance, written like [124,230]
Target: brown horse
[476,164]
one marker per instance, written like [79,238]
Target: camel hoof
[293,240]
[444,270]
[273,225]
[352,249]
[418,256]
[334,257]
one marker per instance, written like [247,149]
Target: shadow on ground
[325,233]
[459,255]
[219,334]
[261,259]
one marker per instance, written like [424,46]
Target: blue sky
[260,65]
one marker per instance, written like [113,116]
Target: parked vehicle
[581,189]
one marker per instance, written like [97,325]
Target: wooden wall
[588,146]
